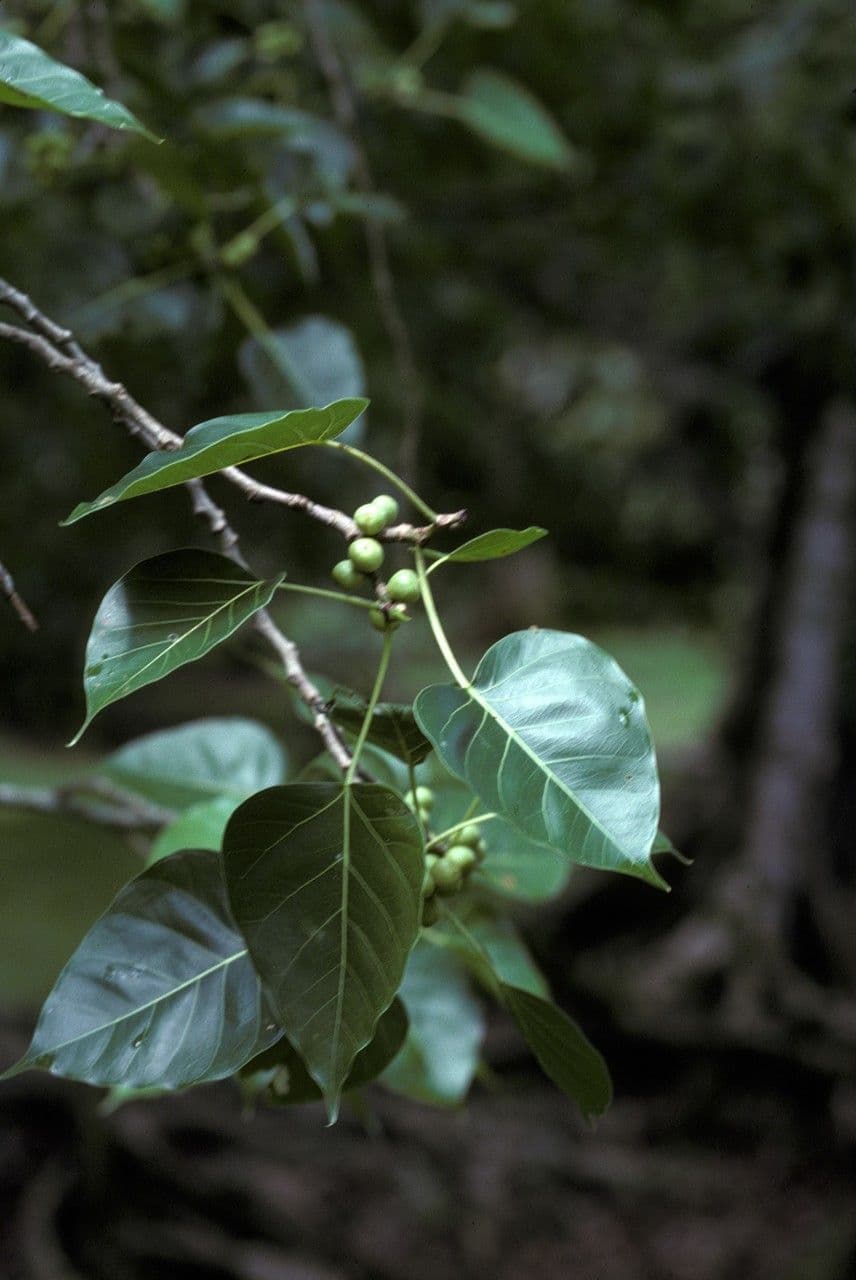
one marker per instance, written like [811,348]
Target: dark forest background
[645,343]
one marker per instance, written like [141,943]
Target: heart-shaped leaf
[220,756]
[281,1074]
[30,78]
[393,725]
[161,993]
[552,735]
[162,614]
[493,545]
[440,1056]
[325,882]
[226,442]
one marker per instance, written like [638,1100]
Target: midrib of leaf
[541,764]
[203,620]
[343,939]
[150,1004]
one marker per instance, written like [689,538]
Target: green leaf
[562,1050]
[314,361]
[325,882]
[393,725]
[440,1055]
[491,945]
[199,827]
[281,1074]
[244,119]
[493,545]
[506,114]
[226,442]
[552,735]
[199,761]
[162,614]
[520,868]
[161,993]
[29,78]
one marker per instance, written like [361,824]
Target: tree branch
[105,807]
[10,591]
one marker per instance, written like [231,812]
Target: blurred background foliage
[621,241]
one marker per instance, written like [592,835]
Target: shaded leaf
[281,1073]
[201,760]
[440,1055]
[493,545]
[393,726]
[199,827]
[162,614]
[226,442]
[564,1053]
[491,945]
[552,735]
[30,78]
[161,993]
[508,115]
[299,131]
[325,882]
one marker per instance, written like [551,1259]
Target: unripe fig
[447,877]
[369,518]
[470,835]
[347,576]
[404,586]
[366,554]
[425,797]
[387,505]
[381,622]
[462,857]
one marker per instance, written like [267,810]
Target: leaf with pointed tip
[325,882]
[226,442]
[199,761]
[281,1074]
[440,1056]
[503,112]
[552,735]
[501,961]
[493,545]
[199,827]
[564,1053]
[161,993]
[393,726]
[521,868]
[30,78]
[162,614]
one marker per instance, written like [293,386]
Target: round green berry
[430,912]
[381,622]
[470,835]
[425,797]
[366,554]
[447,877]
[346,575]
[404,586]
[423,814]
[369,518]
[462,857]
[428,886]
[387,505]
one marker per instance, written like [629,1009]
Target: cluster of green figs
[365,557]
[446,870]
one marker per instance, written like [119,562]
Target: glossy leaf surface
[220,756]
[161,993]
[325,883]
[162,614]
[226,442]
[30,78]
[493,545]
[552,735]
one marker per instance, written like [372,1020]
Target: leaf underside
[552,735]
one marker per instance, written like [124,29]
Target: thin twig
[10,591]
[345,111]
[66,802]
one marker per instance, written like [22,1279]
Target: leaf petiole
[383,667]
[434,620]
[385,471]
